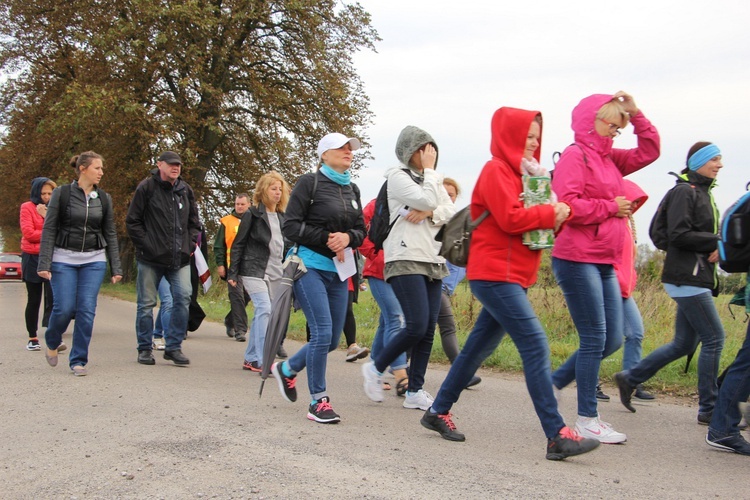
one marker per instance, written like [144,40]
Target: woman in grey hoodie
[419,205]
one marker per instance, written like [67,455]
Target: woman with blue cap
[690,279]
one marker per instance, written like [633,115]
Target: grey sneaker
[420,400]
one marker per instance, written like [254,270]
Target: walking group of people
[322,220]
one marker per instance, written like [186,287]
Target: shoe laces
[568,433]
[323,405]
[448,421]
[290,382]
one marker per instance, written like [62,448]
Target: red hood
[510,127]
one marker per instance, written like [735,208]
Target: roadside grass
[657,309]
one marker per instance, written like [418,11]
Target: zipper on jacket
[85,222]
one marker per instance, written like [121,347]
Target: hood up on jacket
[633,192]
[510,128]
[36,189]
[584,116]
[409,141]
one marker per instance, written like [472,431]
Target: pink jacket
[31,228]
[625,270]
[589,178]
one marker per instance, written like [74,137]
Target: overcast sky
[446,66]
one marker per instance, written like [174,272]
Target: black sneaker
[230,331]
[705,418]
[176,357]
[626,390]
[474,381]
[239,337]
[281,352]
[286,384]
[600,394]
[733,442]
[569,443]
[146,358]
[322,412]
[442,424]
[33,345]
[642,395]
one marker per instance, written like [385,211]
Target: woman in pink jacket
[589,177]
[32,222]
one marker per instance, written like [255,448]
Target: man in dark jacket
[164,225]
[236,320]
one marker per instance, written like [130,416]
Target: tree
[238,87]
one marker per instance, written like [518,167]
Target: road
[134,431]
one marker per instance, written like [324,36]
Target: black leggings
[35,291]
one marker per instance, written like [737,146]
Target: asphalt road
[134,431]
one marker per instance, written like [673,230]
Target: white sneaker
[593,428]
[159,344]
[373,385]
[420,400]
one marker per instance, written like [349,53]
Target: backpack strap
[475,223]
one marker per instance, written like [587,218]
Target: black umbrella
[281,309]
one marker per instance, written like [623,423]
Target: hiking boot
[372,383]
[442,424]
[600,394]
[322,412]
[705,418]
[286,384]
[594,428]
[253,366]
[176,357]
[33,345]
[474,381]
[420,400]
[159,344]
[626,390]
[355,352]
[734,442]
[281,352]
[569,443]
[642,395]
[240,337]
[146,358]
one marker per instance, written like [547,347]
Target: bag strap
[479,220]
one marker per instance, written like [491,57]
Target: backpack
[455,236]
[657,230]
[380,224]
[734,233]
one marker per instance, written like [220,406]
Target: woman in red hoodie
[32,222]
[500,270]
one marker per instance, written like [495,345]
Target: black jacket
[336,209]
[81,227]
[250,253]
[163,222]
[692,229]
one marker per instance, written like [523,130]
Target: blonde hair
[613,112]
[266,180]
[50,183]
[452,182]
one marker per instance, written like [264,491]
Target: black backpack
[380,224]
[734,245]
[455,236]
[657,230]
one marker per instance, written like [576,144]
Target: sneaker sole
[334,420]
[280,382]
[563,456]
[37,348]
[417,407]
[721,446]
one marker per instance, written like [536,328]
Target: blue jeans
[391,320]
[696,319]
[146,291]
[164,316]
[259,326]
[75,288]
[592,293]
[323,297]
[633,331]
[420,301]
[734,390]
[505,308]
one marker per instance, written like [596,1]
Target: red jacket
[373,263]
[497,251]
[31,228]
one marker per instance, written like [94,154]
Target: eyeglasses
[612,127]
